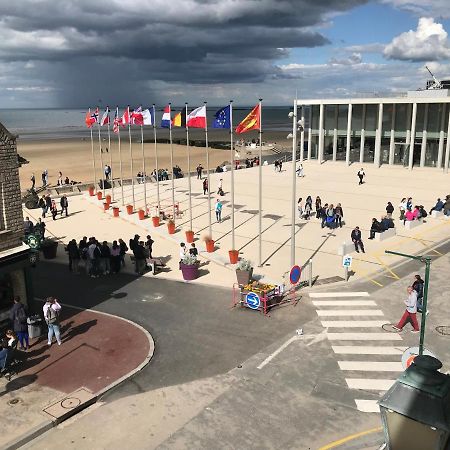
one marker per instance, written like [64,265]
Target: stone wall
[11,225]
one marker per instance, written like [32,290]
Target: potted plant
[155,221]
[189,267]
[209,243]
[49,247]
[244,271]
[171,226]
[189,236]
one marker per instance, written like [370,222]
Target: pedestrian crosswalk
[369,357]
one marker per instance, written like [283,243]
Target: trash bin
[34,326]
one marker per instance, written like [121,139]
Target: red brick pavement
[97,350]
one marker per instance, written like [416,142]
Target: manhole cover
[70,402]
[14,401]
[443,329]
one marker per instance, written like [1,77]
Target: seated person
[67,181]
[387,223]
[422,212]
[193,251]
[439,206]
[11,338]
[3,354]
[416,213]
[409,215]
[375,228]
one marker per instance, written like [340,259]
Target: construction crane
[436,84]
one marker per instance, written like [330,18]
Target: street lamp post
[427,261]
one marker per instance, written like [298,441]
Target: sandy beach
[73,157]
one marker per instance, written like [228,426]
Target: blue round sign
[252,300]
[295,274]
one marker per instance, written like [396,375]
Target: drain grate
[14,401]
[444,330]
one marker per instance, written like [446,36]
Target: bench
[437,214]
[410,224]
[390,232]
[152,263]
[345,248]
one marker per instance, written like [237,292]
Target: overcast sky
[71,53]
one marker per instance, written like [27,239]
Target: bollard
[310,273]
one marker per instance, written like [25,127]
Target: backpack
[51,315]
[21,315]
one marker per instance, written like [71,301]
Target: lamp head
[291,115]
[289,136]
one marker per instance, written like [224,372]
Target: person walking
[361,176]
[43,179]
[218,209]
[42,204]
[149,245]
[410,313]
[205,186]
[357,239]
[220,187]
[338,215]
[39,228]
[33,181]
[389,210]
[64,205]
[18,316]
[300,172]
[199,172]
[418,287]
[52,310]
[60,179]
[46,176]
[48,203]
[54,210]
[300,207]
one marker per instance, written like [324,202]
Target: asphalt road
[197,334]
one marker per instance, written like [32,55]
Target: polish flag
[126,119]
[197,118]
[105,117]
[136,117]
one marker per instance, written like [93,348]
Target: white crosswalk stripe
[383,356]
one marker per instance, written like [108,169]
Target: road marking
[371,384]
[344,303]
[278,350]
[349,438]
[367,350]
[352,323]
[338,294]
[371,366]
[364,337]
[367,405]
[350,312]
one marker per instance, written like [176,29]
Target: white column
[413,136]
[335,131]
[447,146]
[378,133]
[392,140]
[310,132]
[441,137]
[302,133]
[349,134]
[363,135]
[423,147]
[408,124]
[320,151]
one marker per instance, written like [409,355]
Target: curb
[46,425]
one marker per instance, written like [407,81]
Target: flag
[251,122]
[176,122]
[197,118]
[136,117]
[105,117]
[126,120]
[117,121]
[166,121]
[91,118]
[222,118]
[148,117]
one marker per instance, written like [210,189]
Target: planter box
[244,276]
[190,272]
[49,250]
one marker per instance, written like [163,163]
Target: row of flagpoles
[223,119]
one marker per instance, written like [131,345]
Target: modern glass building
[411,130]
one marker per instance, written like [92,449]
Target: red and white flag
[105,117]
[91,118]
[136,117]
[117,121]
[126,119]
[197,118]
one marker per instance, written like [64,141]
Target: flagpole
[189,170]
[294,181]
[171,160]
[144,176]
[260,185]
[93,155]
[156,161]
[131,160]
[120,158]
[111,177]
[232,176]
[101,155]
[207,176]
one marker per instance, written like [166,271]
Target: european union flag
[223,118]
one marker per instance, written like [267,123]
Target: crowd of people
[330,215]
[47,204]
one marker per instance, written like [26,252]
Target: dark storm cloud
[79,43]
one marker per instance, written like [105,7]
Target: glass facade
[395,134]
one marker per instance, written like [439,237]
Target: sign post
[346,263]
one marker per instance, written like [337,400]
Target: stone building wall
[11,217]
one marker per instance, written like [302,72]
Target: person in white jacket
[410,313]
[51,311]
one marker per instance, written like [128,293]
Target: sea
[43,124]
